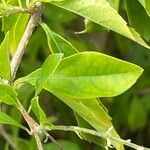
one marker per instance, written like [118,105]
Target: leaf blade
[4,58]
[38,110]
[58,44]
[8,95]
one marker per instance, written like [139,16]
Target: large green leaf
[140,22]
[100,12]
[4,58]
[8,95]
[58,44]
[84,75]
[47,70]
[80,76]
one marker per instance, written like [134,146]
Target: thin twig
[33,22]
[99,134]
[34,126]
[7,137]
[14,10]
[48,136]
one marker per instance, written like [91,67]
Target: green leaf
[17,31]
[114,3]
[47,71]
[6,119]
[90,138]
[91,102]
[94,114]
[38,110]
[79,76]
[146,5]
[140,22]
[8,95]
[4,58]
[100,12]
[58,44]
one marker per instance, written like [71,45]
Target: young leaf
[38,110]
[8,95]
[4,58]
[58,44]
[5,119]
[100,12]
[140,22]
[47,71]
[17,31]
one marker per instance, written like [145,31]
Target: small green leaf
[100,12]
[58,44]
[47,71]
[38,110]
[17,31]
[4,58]
[8,95]
[6,119]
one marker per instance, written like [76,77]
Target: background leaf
[103,15]
[4,58]
[140,22]
[5,119]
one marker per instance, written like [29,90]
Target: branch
[13,10]
[15,62]
[33,22]
[34,126]
[99,134]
